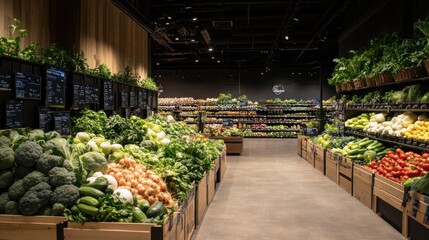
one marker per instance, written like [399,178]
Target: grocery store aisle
[271,193]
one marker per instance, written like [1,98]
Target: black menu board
[78,96]
[45,119]
[62,123]
[14,114]
[55,87]
[142,98]
[27,86]
[133,99]
[5,82]
[108,94]
[91,94]
[124,99]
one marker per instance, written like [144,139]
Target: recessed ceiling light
[167,23]
[192,40]
[218,61]
[210,49]
[188,7]
[177,39]
[194,19]
[157,64]
[196,60]
[169,18]
[296,19]
[213,57]
[262,73]
[293,73]
[287,37]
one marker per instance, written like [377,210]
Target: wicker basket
[385,77]
[359,83]
[409,73]
[370,81]
[350,86]
[343,86]
[338,87]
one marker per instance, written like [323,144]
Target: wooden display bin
[363,182]
[180,225]
[222,165]
[234,145]
[304,148]
[116,230]
[201,200]
[387,202]
[417,211]
[211,185]
[301,139]
[310,153]
[345,176]
[319,158]
[31,227]
[189,214]
[332,166]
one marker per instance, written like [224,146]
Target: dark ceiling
[245,33]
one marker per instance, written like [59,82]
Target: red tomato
[399,151]
[413,173]
[396,173]
[397,168]
[425,155]
[389,169]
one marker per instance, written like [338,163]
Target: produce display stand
[417,211]
[387,202]
[201,200]
[180,225]
[234,145]
[189,208]
[363,183]
[332,166]
[319,158]
[310,153]
[222,165]
[345,174]
[301,140]
[31,227]
[211,185]
[304,142]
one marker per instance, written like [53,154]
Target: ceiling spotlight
[287,37]
[188,7]
[296,19]
[293,73]
[169,18]
[157,64]
[177,39]
[213,57]
[167,23]
[262,73]
[218,61]
[194,19]
[210,49]
[196,60]
[192,40]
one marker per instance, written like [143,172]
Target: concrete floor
[271,193]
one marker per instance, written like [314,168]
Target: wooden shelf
[398,83]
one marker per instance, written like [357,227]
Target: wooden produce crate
[31,227]
[387,202]
[180,225]
[310,153]
[417,211]
[189,212]
[332,166]
[319,158]
[363,182]
[211,185]
[116,230]
[234,145]
[304,148]
[201,200]
[222,165]
[301,139]
[345,176]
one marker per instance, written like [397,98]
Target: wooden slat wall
[109,36]
[34,16]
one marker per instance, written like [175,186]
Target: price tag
[55,87]
[14,114]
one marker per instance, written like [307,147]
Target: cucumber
[101,183]
[139,215]
[357,157]
[379,149]
[90,191]
[374,146]
[88,200]
[356,152]
[93,211]
[144,205]
[365,143]
[157,209]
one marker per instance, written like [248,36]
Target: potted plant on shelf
[422,28]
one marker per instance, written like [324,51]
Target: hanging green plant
[150,84]
[11,46]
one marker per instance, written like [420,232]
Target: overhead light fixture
[192,40]
[295,19]
[218,61]
[262,73]
[210,49]
[196,60]
[177,39]
[287,37]
[169,18]
[194,19]
[167,23]
[157,64]
[213,57]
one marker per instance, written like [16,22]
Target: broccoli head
[59,176]
[6,178]
[17,190]
[67,165]
[28,153]
[94,162]
[45,211]
[11,207]
[6,157]
[58,209]
[4,141]
[48,161]
[44,192]
[67,195]
[29,204]
[4,198]
[34,178]
[21,171]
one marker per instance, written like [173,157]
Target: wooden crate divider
[417,208]
[211,185]
[363,183]
[234,145]
[304,142]
[31,227]
[222,165]
[189,212]
[180,225]
[319,158]
[345,175]
[301,139]
[310,153]
[201,200]
[332,166]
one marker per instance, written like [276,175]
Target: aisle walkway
[271,193]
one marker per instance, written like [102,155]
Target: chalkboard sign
[243,103]
[108,94]
[27,86]
[5,82]
[227,122]
[142,98]
[133,99]
[62,123]
[78,96]
[310,131]
[124,99]
[45,119]
[55,87]
[91,94]
[14,114]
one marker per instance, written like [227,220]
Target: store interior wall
[104,32]
[300,83]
